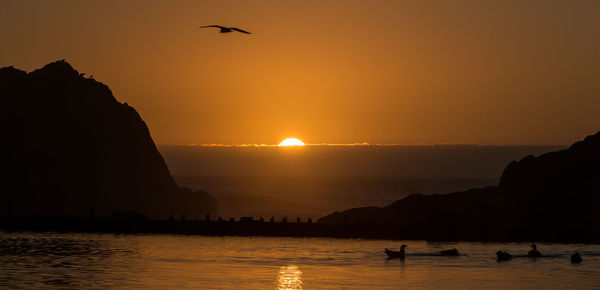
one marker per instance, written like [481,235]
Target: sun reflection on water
[290,277]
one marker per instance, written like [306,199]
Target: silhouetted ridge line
[70,146]
[553,197]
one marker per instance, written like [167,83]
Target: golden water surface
[48,260]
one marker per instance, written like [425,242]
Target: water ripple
[51,260]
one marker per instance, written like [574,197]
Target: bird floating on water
[226,29]
[393,254]
[534,253]
[576,258]
[503,256]
[452,252]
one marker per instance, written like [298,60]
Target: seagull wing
[218,26]
[242,31]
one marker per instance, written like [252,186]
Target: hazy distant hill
[69,146]
[555,196]
[316,180]
[313,196]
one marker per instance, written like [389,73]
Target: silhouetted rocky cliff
[68,146]
[554,197]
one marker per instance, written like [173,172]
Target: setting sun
[291,142]
[443,138]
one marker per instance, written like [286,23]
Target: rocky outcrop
[69,147]
[555,197]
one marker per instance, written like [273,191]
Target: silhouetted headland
[73,158]
[70,148]
[552,197]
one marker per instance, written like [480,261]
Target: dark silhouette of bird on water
[393,254]
[503,256]
[226,29]
[534,253]
[576,258]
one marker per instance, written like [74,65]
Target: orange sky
[402,72]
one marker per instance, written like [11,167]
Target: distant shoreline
[257,228]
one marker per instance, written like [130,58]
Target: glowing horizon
[349,144]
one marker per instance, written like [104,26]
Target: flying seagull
[226,29]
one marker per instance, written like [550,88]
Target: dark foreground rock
[554,197]
[70,149]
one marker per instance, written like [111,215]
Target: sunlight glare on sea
[52,260]
[290,278]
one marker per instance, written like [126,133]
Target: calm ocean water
[47,260]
